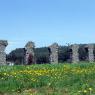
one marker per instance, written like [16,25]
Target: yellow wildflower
[85,91]
[90,89]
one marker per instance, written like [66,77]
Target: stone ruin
[3,44]
[90,48]
[54,53]
[29,55]
[75,54]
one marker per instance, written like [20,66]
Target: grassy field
[50,79]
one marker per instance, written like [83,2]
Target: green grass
[48,79]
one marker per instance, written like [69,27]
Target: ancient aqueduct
[29,47]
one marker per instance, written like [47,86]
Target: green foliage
[63,54]
[42,55]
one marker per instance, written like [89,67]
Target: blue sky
[47,21]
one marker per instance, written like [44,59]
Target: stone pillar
[3,44]
[90,52]
[75,54]
[29,47]
[54,53]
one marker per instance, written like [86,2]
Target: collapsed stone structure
[3,44]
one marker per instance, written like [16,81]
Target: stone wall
[54,53]
[3,44]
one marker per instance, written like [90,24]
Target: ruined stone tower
[30,55]
[54,53]
[3,44]
[75,54]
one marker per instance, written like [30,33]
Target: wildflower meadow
[48,79]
